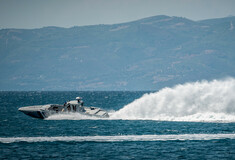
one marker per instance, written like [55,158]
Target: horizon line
[86,25]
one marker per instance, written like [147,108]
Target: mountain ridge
[147,54]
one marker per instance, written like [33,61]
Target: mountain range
[147,54]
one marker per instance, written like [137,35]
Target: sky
[68,13]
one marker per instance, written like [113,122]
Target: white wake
[70,116]
[198,101]
[171,137]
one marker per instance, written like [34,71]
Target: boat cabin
[70,106]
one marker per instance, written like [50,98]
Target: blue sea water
[122,136]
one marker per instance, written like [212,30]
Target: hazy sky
[68,13]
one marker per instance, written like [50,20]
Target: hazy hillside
[147,54]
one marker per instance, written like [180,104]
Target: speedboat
[75,106]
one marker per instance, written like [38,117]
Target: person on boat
[79,99]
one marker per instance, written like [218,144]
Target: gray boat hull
[44,111]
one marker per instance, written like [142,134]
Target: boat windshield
[56,107]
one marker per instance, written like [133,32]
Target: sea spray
[198,101]
[70,116]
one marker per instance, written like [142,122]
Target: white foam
[200,101]
[171,137]
[69,116]
[75,116]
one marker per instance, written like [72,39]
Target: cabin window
[55,109]
[74,107]
[69,108]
